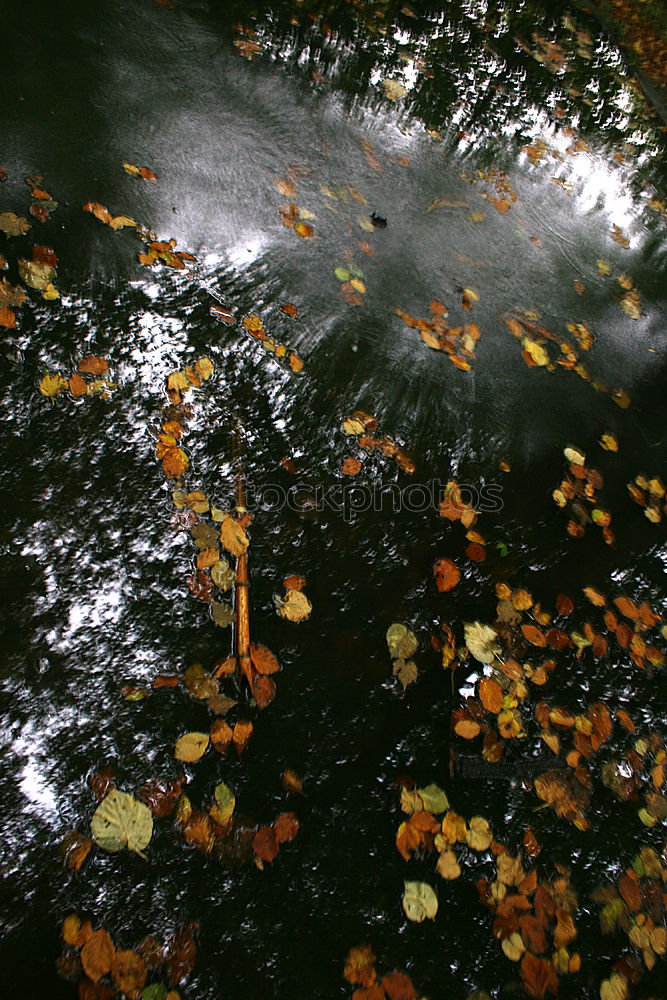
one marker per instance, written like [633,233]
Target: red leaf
[265,843]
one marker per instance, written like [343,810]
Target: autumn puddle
[333,478]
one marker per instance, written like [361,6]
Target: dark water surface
[93,574]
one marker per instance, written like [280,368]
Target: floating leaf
[225,803]
[35,274]
[491,695]
[401,641]
[419,901]
[122,821]
[295,607]
[175,462]
[97,954]
[13,225]
[191,746]
[51,385]
[128,971]
[433,798]
[447,575]
[263,660]
[448,866]
[233,537]
[482,641]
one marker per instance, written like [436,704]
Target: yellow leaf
[130,169]
[119,221]
[233,537]
[204,367]
[296,606]
[609,442]
[51,385]
[536,351]
[191,747]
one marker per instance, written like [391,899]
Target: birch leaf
[419,901]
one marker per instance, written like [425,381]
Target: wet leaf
[75,932]
[295,607]
[13,225]
[121,821]
[538,975]
[175,462]
[448,866]
[286,827]
[51,385]
[263,660]
[398,986]
[419,901]
[181,954]
[292,782]
[225,803]
[614,988]
[406,671]
[128,971]
[447,575]
[35,274]
[491,695]
[479,835]
[265,844]
[401,641]
[482,641]
[233,537]
[393,89]
[97,954]
[351,467]
[513,947]
[360,966]
[467,729]
[191,746]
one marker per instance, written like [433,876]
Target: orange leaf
[97,955]
[351,467]
[438,308]
[447,575]
[374,992]
[360,965]
[175,462]
[534,635]
[77,385]
[467,729]
[7,318]
[241,735]
[294,582]
[408,840]
[304,230]
[263,660]
[289,309]
[167,681]
[491,695]
[92,365]
[627,607]
[286,827]
[221,735]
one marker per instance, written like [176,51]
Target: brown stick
[242,587]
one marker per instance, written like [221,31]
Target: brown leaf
[286,827]
[97,955]
[628,887]
[7,318]
[539,976]
[292,782]
[76,847]
[289,309]
[263,660]
[351,467]
[128,971]
[627,607]
[181,954]
[265,844]
[77,385]
[491,695]
[294,583]
[360,966]
[447,575]
[398,986]
[263,690]
[161,796]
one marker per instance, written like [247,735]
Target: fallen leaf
[447,575]
[191,746]
[359,966]
[286,827]
[448,866]
[233,537]
[295,607]
[128,971]
[351,467]
[419,901]
[122,821]
[97,955]
[491,695]
[482,641]
[265,844]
